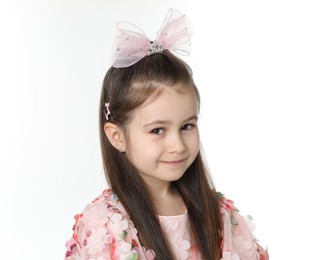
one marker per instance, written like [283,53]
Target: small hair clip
[107,111]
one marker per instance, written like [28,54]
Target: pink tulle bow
[132,44]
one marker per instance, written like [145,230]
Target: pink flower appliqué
[243,245]
[98,258]
[127,251]
[227,255]
[96,215]
[98,240]
[125,247]
[250,223]
[118,226]
[169,224]
[150,254]
[71,248]
[181,247]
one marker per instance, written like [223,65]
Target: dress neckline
[174,216]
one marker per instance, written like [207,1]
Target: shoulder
[103,207]
[238,233]
[101,210]
[225,203]
[103,229]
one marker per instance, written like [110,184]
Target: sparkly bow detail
[132,44]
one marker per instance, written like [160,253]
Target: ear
[115,136]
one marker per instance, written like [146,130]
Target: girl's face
[163,136]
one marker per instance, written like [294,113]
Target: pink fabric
[132,44]
[177,232]
[104,231]
[239,242]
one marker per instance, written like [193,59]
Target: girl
[161,203]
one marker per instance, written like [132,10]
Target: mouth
[174,162]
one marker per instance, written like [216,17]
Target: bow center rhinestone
[155,47]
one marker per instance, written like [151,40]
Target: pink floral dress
[104,231]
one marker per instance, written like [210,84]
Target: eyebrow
[158,122]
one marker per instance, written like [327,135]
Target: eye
[187,127]
[157,131]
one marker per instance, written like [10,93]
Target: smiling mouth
[174,162]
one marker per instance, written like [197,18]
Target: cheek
[196,146]
[151,148]
[194,143]
[193,138]
[141,149]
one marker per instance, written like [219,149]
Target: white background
[261,68]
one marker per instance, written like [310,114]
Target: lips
[174,162]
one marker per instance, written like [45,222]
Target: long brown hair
[126,89]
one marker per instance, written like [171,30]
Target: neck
[159,188]
[167,199]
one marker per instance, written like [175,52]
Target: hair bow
[132,44]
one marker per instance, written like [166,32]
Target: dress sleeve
[91,238]
[103,231]
[239,241]
[74,246]
[88,241]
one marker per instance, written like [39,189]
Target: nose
[176,143]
